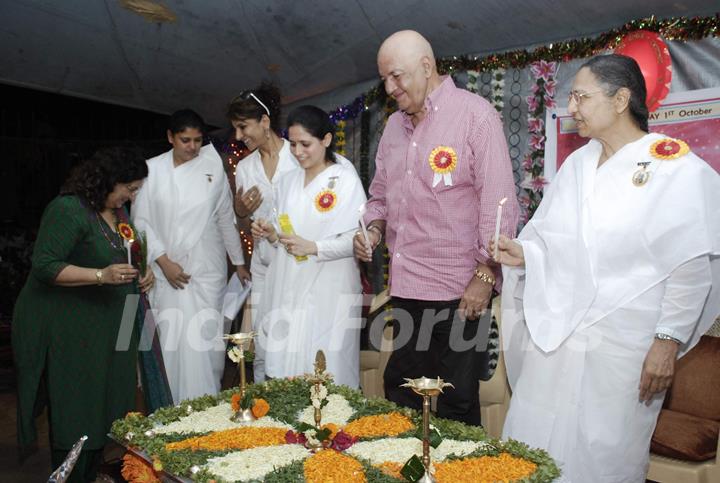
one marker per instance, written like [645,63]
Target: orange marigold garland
[390,424]
[485,469]
[137,470]
[238,438]
[329,465]
[669,148]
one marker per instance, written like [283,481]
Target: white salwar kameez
[607,265]
[187,214]
[315,304]
[248,173]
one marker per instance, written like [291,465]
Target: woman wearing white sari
[185,208]
[615,276]
[254,115]
[313,298]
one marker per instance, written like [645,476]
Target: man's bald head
[409,45]
[406,64]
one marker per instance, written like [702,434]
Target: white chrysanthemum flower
[395,450]
[234,354]
[337,411]
[216,418]
[399,450]
[311,434]
[255,463]
[453,446]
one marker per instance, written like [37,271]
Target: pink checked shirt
[438,235]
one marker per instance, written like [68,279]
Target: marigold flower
[390,424]
[330,466]
[137,470]
[391,468]
[235,402]
[485,469]
[238,438]
[333,429]
[260,408]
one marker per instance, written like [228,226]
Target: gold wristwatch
[485,277]
[99,276]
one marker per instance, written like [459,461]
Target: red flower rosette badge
[325,200]
[443,161]
[669,148]
[126,231]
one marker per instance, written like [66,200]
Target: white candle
[362,212]
[128,245]
[497,226]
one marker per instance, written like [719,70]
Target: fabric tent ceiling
[100,50]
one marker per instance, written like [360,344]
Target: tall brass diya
[427,388]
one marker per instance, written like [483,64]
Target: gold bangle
[485,277]
[377,230]
[99,277]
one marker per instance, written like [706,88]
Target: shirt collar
[434,101]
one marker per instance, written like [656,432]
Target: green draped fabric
[70,333]
[156,388]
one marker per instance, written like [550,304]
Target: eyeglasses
[245,95]
[579,96]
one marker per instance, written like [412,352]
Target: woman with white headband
[255,115]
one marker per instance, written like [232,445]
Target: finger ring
[122,276]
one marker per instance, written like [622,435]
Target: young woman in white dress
[313,294]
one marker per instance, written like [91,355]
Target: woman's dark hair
[95,178]
[317,122]
[251,104]
[185,118]
[616,71]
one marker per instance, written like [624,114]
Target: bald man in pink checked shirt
[441,168]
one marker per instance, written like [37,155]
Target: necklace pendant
[642,175]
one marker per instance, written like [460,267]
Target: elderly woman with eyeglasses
[615,276]
[255,115]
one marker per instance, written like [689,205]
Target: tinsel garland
[542,97]
[340,137]
[674,28]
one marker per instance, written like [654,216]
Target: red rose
[292,437]
[342,441]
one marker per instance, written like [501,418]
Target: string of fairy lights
[235,152]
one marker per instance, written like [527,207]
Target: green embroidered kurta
[71,332]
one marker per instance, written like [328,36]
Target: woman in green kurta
[69,329]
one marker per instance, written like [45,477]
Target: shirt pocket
[447,160]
